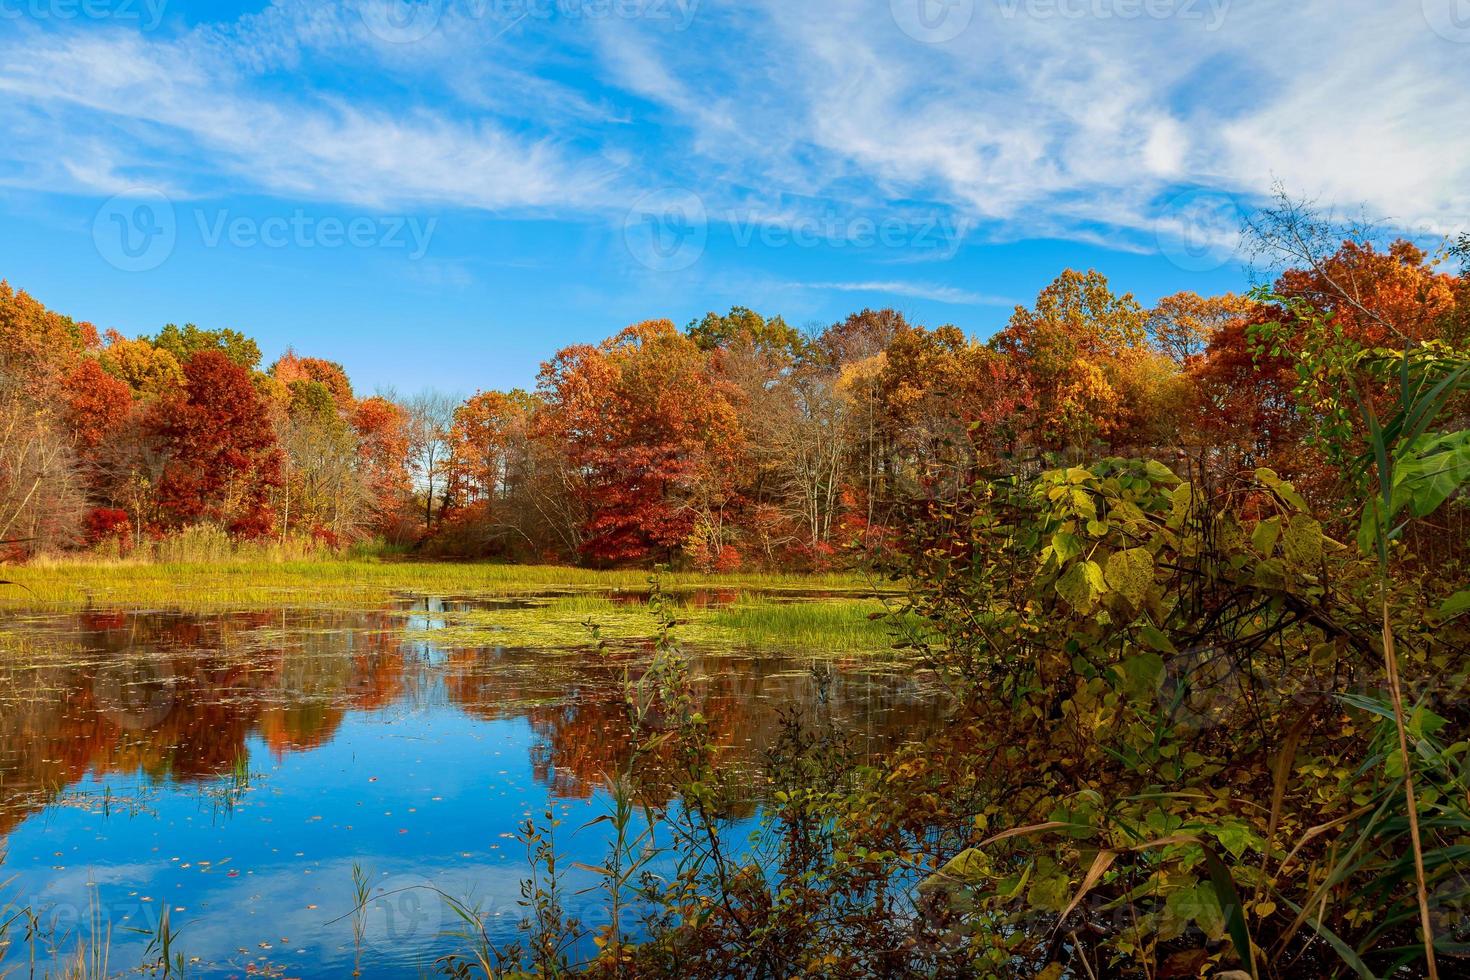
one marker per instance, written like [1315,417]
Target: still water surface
[235,769]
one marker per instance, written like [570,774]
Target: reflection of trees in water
[582,727]
[177,697]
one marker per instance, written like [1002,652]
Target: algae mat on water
[541,606]
[759,620]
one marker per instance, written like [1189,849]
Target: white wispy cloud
[915,290]
[192,113]
[1083,125]
[1030,122]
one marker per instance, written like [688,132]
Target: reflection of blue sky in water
[292,841]
[424,785]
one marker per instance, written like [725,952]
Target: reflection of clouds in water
[279,906]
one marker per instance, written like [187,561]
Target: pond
[242,772]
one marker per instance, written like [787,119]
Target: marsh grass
[83,955]
[826,624]
[756,619]
[61,585]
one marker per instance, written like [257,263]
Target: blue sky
[443,192]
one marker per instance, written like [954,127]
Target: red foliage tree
[222,458]
[654,434]
[486,432]
[109,524]
[1074,348]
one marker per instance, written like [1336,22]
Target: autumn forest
[735,442]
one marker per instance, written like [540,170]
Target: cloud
[916,290]
[1079,120]
[188,113]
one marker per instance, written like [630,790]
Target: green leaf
[1196,904]
[1155,639]
[1083,503]
[1082,586]
[1430,470]
[1131,574]
[1370,532]
[1049,892]
[1066,545]
[1235,837]
[1232,909]
[1456,605]
[1141,675]
[1160,473]
[969,864]
[1264,537]
[1182,500]
[1302,541]
[1269,479]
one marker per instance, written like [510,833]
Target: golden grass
[69,584]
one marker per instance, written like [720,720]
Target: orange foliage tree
[382,448]
[1071,347]
[292,368]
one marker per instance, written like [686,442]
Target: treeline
[738,441]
